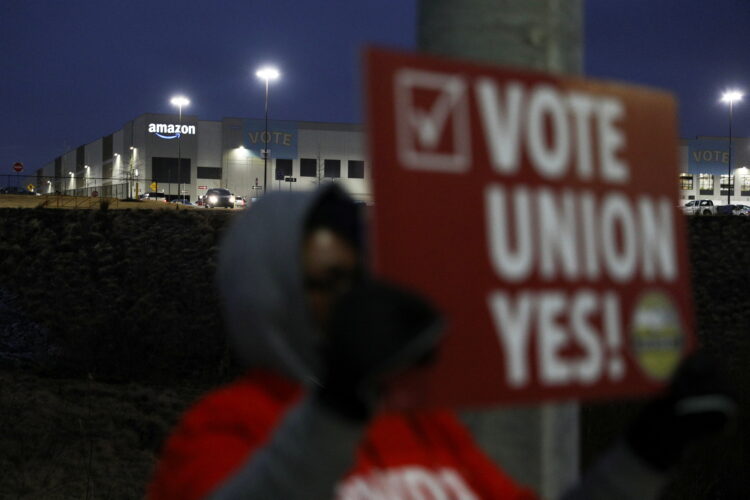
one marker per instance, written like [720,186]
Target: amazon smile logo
[170,131]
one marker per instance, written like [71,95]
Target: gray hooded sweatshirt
[270,326]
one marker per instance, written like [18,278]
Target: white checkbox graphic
[418,130]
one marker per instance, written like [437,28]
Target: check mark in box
[432,120]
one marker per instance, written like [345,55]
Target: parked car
[741,210]
[699,207]
[182,201]
[218,197]
[725,209]
[154,197]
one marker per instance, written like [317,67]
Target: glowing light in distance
[180,101]
[731,96]
[267,73]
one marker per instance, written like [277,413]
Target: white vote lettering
[552,128]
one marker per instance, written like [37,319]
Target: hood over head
[260,277]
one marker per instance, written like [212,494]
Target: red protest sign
[539,213]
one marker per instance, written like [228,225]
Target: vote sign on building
[539,213]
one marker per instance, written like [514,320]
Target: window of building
[80,158]
[308,167]
[726,184]
[283,168]
[107,147]
[165,170]
[356,169]
[745,185]
[706,184]
[686,182]
[209,173]
[332,168]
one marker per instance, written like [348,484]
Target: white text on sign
[555,233]
[561,322]
[513,115]
[571,236]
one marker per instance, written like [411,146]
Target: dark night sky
[74,71]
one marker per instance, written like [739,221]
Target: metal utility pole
[537,445]
[179,157]
[265,143]
[730,185]
[266,74]
[730,97]
[179,101]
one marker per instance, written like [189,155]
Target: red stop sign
[18,166]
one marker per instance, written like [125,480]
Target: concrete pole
[536,445]
[539,34]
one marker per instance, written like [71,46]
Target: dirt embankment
[82,438]
[109,327]
[84,202]
[125,294]
[127,301]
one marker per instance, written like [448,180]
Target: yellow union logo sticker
[656,334]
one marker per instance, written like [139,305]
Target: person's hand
[698,403]
[376,330]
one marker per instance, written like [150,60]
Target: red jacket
[419,455]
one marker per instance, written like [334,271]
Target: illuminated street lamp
[266,73]
[730,96]
[179,101]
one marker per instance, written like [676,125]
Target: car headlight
[213,199]
[231,199]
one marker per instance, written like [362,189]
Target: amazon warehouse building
[705,171]
[143,156]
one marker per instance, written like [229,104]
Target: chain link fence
[109,187]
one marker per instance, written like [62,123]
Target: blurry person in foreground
[319,336]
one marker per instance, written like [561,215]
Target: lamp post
[131,181]
[730,96]
[179,101]
[266,73]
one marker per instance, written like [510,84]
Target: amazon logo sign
[170,131]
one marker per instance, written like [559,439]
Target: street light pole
[729,165]
[179,156]
[265,141]
[267,73]
[179,101]
[730,96]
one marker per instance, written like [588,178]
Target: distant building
[704,163]
[143,156]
